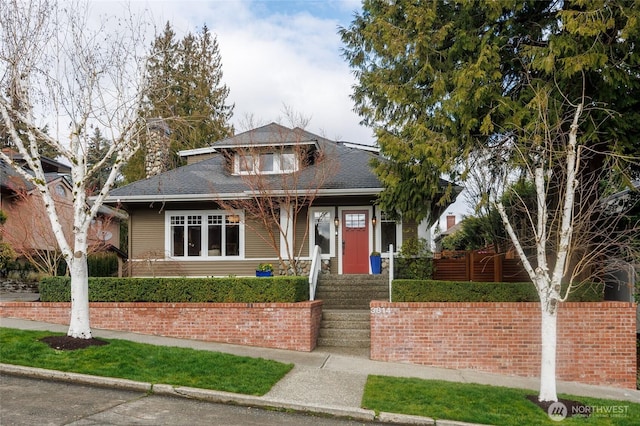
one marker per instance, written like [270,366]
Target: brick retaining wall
[596,341]
[292,326]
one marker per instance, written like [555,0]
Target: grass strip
[483,404]
[146,363]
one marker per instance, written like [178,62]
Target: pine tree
[439,79]
[97,149]
[185,89]
[554,86]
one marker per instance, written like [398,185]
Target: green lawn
[479,403]
[146,363]
[255,376]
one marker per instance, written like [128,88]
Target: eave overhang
[234,196]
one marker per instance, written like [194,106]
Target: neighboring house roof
[11,180]
[351,172]
[49,165]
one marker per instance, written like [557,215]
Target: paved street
[25,401]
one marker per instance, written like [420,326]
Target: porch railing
[316,262]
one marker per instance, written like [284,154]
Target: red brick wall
[292,326]
[596,341]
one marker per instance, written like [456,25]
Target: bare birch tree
[56,65]
[570,225]
[276,203]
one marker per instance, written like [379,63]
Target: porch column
[286,221]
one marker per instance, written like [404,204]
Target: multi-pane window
[232,235]
[204,235]
[177,235]
[266,162]
[355,220]
[194,235]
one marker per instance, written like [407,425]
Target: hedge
[451,291]
[175,290]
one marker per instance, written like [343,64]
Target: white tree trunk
[92,80]
[79,325]
[548,338]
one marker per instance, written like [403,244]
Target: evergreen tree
[554,84]
[97,149]
[438,79]
[184,87]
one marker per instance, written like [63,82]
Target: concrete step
[347,328]
[348,325]
[345,333]
[351,291]
[343,343]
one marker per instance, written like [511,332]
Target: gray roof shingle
[349,170]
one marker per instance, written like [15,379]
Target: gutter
[231,196]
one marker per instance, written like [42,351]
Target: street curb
[215,396]
[85,379]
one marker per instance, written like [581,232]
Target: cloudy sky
[275,53]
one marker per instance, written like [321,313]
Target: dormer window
[265,163]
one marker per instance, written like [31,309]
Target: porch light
[374,221]
[336,223]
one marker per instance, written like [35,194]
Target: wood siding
[148,252]
[146,234]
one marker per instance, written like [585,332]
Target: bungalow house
[268,195]
[27,229]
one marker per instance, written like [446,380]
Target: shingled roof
[350,168]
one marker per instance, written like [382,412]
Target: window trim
[332,234]
[204,235]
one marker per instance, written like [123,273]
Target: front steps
[345,328]
[351,291]
[345,310]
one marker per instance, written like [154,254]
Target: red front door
[355,242]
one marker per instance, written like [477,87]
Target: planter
[264,273]
[376,264]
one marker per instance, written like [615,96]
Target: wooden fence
[478,266]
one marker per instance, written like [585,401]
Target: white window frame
[204,235]
[253,163]
[332,234]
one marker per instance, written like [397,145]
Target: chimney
[451,221]
[158,146]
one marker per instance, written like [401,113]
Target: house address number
[378,310]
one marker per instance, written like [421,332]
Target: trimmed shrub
[175,290]
[102,264]
[415,260]
[451,291]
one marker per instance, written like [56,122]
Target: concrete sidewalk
[325,381]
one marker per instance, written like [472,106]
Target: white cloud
[276,53]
